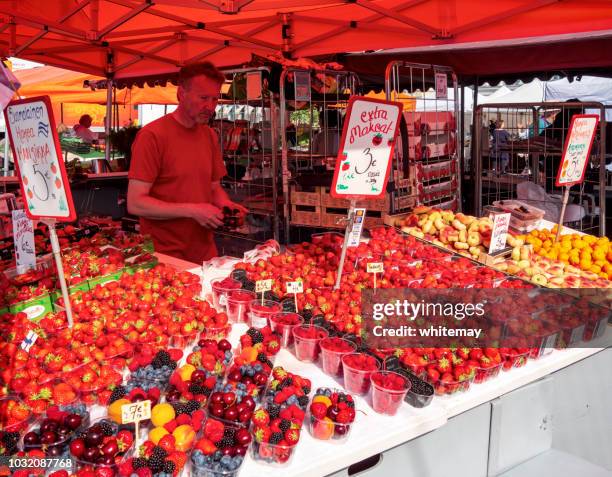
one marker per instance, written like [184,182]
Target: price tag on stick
[262,286]
[375,268]
[499,233]
[134,413]
[575,157]
[295,288]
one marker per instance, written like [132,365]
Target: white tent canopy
[586,89]
[528,93]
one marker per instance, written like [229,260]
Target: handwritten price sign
[366,148]
[35,145]
[499,233]
[263,285]
[577,149]
[136,412]
[295,287]
[375,267]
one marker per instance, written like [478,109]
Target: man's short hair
[206,69]
[86,118]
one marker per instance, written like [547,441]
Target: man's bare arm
[142,204]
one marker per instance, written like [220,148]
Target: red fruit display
[357,369]
[307,339]
[388,391]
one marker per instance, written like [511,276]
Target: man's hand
[207,215]
[234,205]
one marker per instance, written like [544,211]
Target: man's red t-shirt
[181,163]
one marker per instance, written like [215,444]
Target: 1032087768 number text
[15,463]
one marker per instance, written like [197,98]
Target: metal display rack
[247,126]
[426,164]
[308,147]
[528,149]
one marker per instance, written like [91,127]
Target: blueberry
[258,368]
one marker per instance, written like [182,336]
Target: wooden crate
[328,201]
[305,215]
[305,195]
[405,202]
[332,217]
[394,220]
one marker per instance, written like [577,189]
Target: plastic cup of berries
[483,374]
[283,323]
[53,433]
[215,332]
[15,416]
[514,357]
[358,367]
[332,351]
[388,391]
[215,465]
[307,339]
[331,420]
[239,304]
[102,448]
[231,406]
[220,289]
[261,312]
[448,384]
[275,455]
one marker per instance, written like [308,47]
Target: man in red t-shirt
[174,178]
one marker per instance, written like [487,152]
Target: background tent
[71,100]
[584,88]
[532,92]
[135,38]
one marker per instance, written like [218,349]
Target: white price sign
[577,149]
[23,238]
[375,267]
[366,149]
[499,233]
[35,146]
[136,412]
[295,287]
[441,86]
[263,285]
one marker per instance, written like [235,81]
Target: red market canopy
[136,38]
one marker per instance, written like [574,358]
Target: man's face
[199,97]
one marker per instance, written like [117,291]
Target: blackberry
[169,467]
[274,410]
[306,389]
[350,403]
[285,425]
[261,357]
[10,437]
[248,285]
[179,408]
[225,442]
[288,381]
[159,452]
[162,358]
[192,406]
[107,428]
[196,388]
[156,463]
[276,437]
[139,463]
[303,401]
[239,274]
[229,432]
[118,393]
[306,314]
[271,296]
[256,335]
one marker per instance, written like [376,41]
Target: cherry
[217,410]
[243,437]
[77,447]
[48,437]
[110,448]
[231,414]
[31,439]
[245,416]
[229,398]
[216,398]
[224,345]
[73,421]
[249,402]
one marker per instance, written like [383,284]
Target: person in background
[501,139]
[83,131]
[176,171]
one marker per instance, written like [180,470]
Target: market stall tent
[128,39]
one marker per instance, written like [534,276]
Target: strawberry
[124,439]
[261,417]
[59,473]
[167,443]
[105,472]
[262,434]
[147,449]
[170,426]
[126,468]
[179,459]
[292,436]
[344,416]
[144,472]
[183,419]
[206,446]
